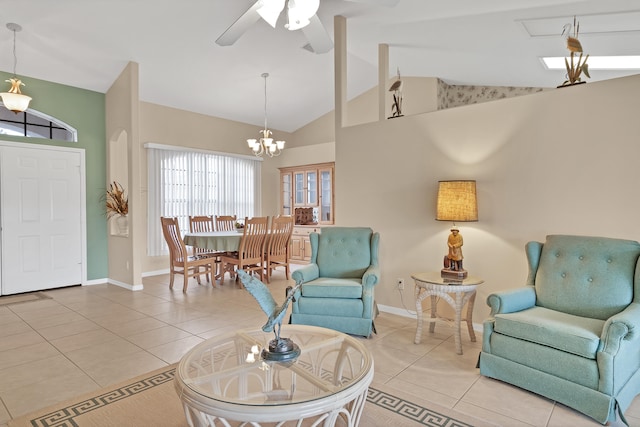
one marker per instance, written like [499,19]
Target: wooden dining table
[220,241]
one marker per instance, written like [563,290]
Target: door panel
[41,219]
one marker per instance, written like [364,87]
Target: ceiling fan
[301,15]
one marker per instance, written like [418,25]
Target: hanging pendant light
[266,144]
[14,99]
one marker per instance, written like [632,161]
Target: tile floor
[84,338]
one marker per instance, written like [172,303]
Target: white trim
[125,285]
[155,273]
[157,146]
[397,311]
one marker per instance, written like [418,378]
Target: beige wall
[563,161]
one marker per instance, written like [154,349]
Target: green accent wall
[85,111]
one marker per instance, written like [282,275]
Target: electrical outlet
[400,283]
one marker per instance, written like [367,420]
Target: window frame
[25,124]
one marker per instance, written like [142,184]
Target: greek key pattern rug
[66,416]
[413,411]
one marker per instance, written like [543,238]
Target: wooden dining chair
[199,224]
[180,260]
[225,222]
[277,249]
[250,255]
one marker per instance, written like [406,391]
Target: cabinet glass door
[299,191]
[286,194]
[312,188]
[326,195]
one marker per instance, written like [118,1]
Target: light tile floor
[85,338]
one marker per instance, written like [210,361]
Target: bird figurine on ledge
[280,349]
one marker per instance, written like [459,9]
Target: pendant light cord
[15,56]
[265,75]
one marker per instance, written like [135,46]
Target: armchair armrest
[371,277]
[306,274]
[619,348]
[512,301]
[622,326]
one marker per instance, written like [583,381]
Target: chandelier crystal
[266,144]
[14,99]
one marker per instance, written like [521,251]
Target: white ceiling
[87,43]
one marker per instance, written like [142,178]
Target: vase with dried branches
[577,63]
[117,205]
[116,200]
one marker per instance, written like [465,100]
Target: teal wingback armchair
[572,334]
[337,289]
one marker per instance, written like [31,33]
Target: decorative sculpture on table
[280,349]
[453,260]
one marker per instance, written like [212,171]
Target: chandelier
[14,100]
[266,144]
[298,12]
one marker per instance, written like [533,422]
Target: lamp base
[446,273]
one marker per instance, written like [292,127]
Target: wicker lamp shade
[457,201]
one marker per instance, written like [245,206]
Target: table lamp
[457,203]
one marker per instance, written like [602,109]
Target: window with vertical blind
[184,182]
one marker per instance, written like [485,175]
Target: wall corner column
[340,70]
[383,78]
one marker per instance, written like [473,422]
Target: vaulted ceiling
[87,43]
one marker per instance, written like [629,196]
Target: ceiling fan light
[299,13]
[305,8]
[270,11]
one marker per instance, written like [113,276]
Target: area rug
[21,298]
[151,400]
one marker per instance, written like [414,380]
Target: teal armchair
[337,289]
[572,334]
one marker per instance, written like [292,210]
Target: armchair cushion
[328,287]
[562,331]
[580,276]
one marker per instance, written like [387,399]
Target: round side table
[434,285]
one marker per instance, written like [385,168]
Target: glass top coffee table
[224,381]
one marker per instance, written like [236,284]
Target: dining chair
[250,255]
[180,260]
[199,224]
[226,222]
[277,245]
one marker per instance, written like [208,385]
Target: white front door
[41,218]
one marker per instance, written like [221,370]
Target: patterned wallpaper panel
[450,96]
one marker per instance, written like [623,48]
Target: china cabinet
[308,187]
[307,193]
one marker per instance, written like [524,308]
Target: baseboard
[397,311]
[126,285]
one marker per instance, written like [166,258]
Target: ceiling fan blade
[389,3]
[238,28]
[317,35]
